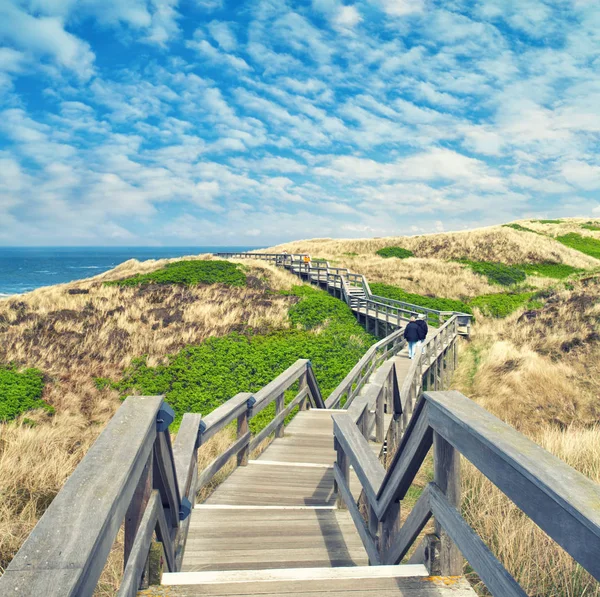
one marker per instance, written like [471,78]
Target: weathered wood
[495,577]
[343,465]
[313,386]
[70,544]
[223,415]
[164,535]
[379,417]
[302,383]
[279,406]
[278,420]
[408,459]
[446,474]
[242,429]
[365,463]
[136,563]
[136,509]
[389,527]
[185,450]
[409,531]
[220,461]
[164,477]
[427,554]
[348,500]
[562,501]
[156,563]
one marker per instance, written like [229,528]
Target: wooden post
[242,429]
[279,406]
[302,382]
[344,464]
[446,463]
[377,321]
[379,418]
[136,508]
[388,528]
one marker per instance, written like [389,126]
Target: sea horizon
[23,269]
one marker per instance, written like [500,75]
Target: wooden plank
[367,587]
[70,544]
[223,415]
[165,479]
[407,461]
[136,562]
[413,525]
[136,509]
[219,462]
[313,385]
[185,450]
[446,471]
[163,532]
[366,465]
[562,501]
[278,420]
[495,577]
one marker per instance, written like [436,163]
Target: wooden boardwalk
[273,528]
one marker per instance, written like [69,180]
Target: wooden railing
[133,476]
[387,312]
[561,501]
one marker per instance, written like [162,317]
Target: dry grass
[541,566]
[566,226]
[74,338]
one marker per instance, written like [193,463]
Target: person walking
[423,329]
[412,335]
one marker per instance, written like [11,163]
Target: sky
[221,122]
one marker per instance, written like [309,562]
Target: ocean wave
[45,271]
[84,267]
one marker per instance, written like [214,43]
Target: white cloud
[400,8]
[581,174]
[47,38]
[223,34]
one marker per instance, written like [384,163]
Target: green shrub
[548,221]
[497,273]
[594,226]
[521,228]
[559,271]
[200,378]
[440,304]
[20,391]
[501,305]
[584,244]
[398,252]
[351,254]
[190,273]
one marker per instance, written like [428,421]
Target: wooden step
[265,538]
[368,583]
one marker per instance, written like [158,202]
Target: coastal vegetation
[397,252]
[586,244]
[20,391]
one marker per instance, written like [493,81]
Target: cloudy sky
[199,122]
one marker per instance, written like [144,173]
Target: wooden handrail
[560,500]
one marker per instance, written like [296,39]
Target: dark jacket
[412,332]
[423,329]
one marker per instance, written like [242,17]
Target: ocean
[23,269]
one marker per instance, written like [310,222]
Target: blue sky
[181,122]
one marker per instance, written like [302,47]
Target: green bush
[189,273]
[594,226]
[559,271]
[200,378]
[497,273]
[440,304]
[398,252]
[501,305]
[584,244]
[20,392]
[548,221]
[521,228]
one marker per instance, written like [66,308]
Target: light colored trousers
[412,349]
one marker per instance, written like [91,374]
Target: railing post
[302,383]
[446,463]
[242,429]
[388,528]
[379,418]
[137,507]
[279,406]
[344,464]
